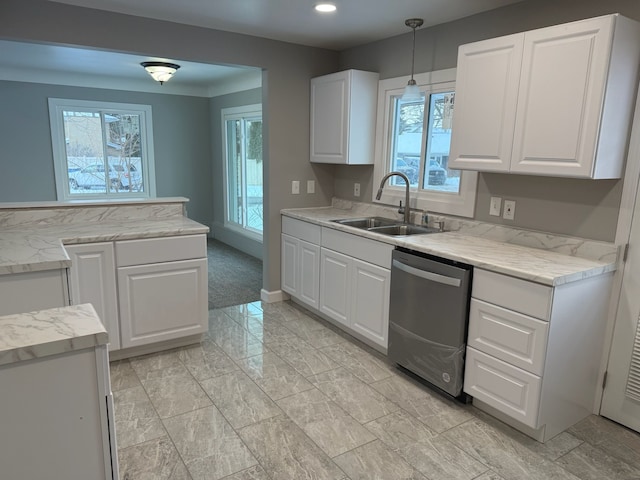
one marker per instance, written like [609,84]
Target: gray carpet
[234,276]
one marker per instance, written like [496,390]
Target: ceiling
[354,23]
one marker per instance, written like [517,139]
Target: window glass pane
[254,174]
[84,152]
[406,140]
[234,171]
[124,151]
[437,174]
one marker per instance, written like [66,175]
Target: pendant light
[411,91]
[160,71]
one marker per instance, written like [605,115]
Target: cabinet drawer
[303,230]
[371,251]
[159,250]
[512,293]
[507,388]
[509,336]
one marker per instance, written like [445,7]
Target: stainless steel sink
[367,222]
[403,230]
[385,226]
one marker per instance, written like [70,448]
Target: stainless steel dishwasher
[429,316]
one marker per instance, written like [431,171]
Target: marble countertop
[41,247]
[534,264]
[27,336]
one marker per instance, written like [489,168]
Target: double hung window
[101,150]
[414,138]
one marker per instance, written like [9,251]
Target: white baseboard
[273,297]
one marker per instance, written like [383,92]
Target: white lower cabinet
[57,418]
[93,280]
[162,289]
[342,276]
[534,351]
[145,291]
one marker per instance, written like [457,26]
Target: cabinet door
[93,280]
[309,279]
[485,105]
[289,261]
[162,301]
[335,285]
[564,73]
[370,301]
[329,118]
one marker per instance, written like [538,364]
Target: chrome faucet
[406,210]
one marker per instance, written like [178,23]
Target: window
[414,139]
[242,133]
[101,150]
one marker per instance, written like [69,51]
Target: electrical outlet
[295,187]
[311,186]
[494,206]
[509,210]
[356,189]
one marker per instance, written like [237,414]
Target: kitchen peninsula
[54,254]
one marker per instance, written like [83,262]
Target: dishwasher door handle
[433,277]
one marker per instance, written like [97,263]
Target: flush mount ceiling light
[411,91]
[325,7]
[160,71]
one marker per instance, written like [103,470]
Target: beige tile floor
[273,393]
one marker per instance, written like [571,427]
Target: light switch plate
[494,206]
[509,210]
[311,186]
[295,187]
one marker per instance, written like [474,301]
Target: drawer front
[355,246]
[509,336]
[303,230]
[159,250]
[512,293]
[507,388]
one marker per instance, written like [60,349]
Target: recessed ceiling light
[325,7]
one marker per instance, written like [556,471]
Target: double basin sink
[386,226]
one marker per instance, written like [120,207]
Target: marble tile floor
[274,393]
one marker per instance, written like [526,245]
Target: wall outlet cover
[509,210]
[356,189]
[311,186]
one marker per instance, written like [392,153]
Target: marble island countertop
[27,336]
[544,266]
[33,247]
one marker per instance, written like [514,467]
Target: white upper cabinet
[343,113]
[485,106]
[555,101]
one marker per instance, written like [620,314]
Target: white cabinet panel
[509,336]
[564,74]
[162,301]
[485,107]
[289,269]
[31,291]
[335,285]
[158,250]
[503,386]
[309,285]
[93,280]
[370,307]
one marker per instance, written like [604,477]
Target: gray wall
[181,142]
[249,97]
[287,69]
[566,206]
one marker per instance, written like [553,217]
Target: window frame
[58,140]
[461,204]
[227,114]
